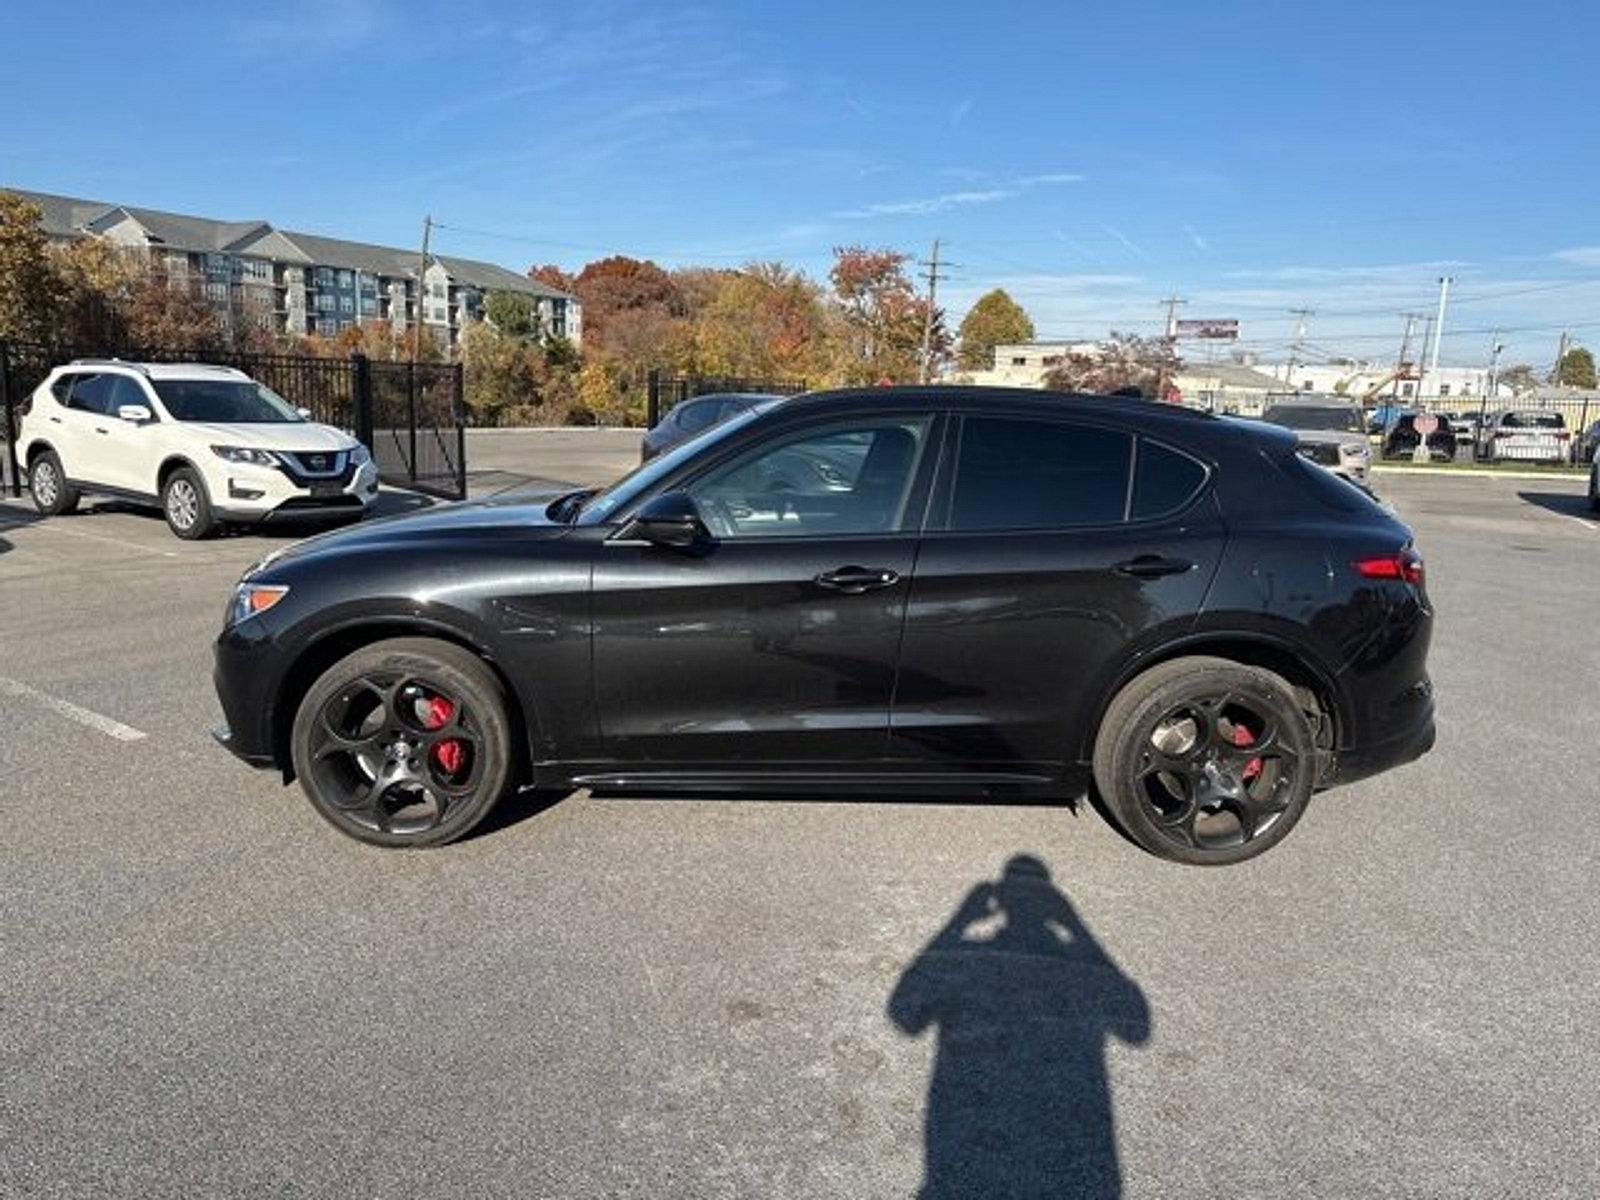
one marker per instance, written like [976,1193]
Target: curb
[1476,473]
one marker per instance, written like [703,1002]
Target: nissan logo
[318,462]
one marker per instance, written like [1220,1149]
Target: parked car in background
[1400,439]
[1465,426]
[696,415]
[969,590]
[1331,430]
[1587,444]
[1524,435]
[207,445]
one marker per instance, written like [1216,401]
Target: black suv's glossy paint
[982,659]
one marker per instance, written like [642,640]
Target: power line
[933,276]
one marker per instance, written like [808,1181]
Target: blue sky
[1090,158]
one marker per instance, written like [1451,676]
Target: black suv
[913,590]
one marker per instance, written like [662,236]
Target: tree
[995,320]
[30,291]
[512,314]
[164,312]
[1519,378]
[96,282]
[1576,369]
[881,314]
[552,276]
[1126,361]
[614,289]
[765,322]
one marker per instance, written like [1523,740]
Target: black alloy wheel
[1206,761]
[404,743]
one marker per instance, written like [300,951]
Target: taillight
[1405,566]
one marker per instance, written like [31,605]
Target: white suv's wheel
[52,494]
[186,505]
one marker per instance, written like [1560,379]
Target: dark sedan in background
[690,417]
[912,590]
[1400,438]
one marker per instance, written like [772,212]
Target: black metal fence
[409,414]
[665,391]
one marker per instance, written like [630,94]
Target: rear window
[1335,491]
[1019,473]
[1533,420]
[1164,480]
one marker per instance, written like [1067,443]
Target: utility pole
[1561,356]
[422,282]
[1495,347]
[1405,348]
[933,276]
[1172,304]
[1301,316]
[1438,334]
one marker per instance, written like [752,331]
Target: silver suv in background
[1332,431]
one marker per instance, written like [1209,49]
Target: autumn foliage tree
[882,317]
[1126,361]
[995,320]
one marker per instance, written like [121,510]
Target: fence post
[652,404]
[411,421]
[11,421]
[361,398]
[460,410]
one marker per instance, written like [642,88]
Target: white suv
[209,445]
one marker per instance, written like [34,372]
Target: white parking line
[83,716]
[52,527]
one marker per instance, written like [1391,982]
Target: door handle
[55,420]
[100,429]
[1153,566]
[855,580]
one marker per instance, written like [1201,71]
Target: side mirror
[670,519]
[305,413]
[138,414]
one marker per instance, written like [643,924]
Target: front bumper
[244,492]
[246,681]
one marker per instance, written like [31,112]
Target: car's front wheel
[52,494]
[187,506]
[1206,761]
[407,742]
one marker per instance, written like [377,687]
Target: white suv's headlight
[245,454]
[360,456]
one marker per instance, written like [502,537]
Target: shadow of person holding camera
[1024,999]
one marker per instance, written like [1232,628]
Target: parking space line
[65,708]
[51,527]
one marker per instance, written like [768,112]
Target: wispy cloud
[960,112]
[1195,240]
[961,199]
[315,26]
[1579,256]
[1127,242]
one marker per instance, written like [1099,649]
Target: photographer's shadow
[1024,999]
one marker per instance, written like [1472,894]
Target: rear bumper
[1362,762]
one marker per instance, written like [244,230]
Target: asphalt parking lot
[205,991]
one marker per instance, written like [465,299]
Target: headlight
[1355,450]
[252,598]
[360,456]
[244,454]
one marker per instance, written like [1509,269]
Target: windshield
[226,401]
[1309,417]
[1533,420]
[608,500]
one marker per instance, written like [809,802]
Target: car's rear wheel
[187,506]
[406,742]
[52,494]
[1206,761]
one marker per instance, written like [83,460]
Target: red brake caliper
[449,754]
[1243,737]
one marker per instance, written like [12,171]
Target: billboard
[1212,329]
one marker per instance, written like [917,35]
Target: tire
[1594,488]
[52,494]
[1232,794]
[368,743]
[187,506]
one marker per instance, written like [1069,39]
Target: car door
[776,640]
[125,452]
[90,455]
[1054,549]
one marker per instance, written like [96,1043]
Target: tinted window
[92,394]
[696,415]
[1164,480]
[1533,420]
[126,390]
[842,479]
[1333,490]
[1016,473]
[61,386]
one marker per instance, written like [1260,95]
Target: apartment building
[288,282]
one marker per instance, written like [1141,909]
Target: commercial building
[286,282]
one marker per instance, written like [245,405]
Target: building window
[324,276]
[347,304]
[327,326]
[1051,360]
[347,279]
[325,301]
[1405,389]
[1019,361]
[1444,389]
[257,270]
[369,305]
[217,293]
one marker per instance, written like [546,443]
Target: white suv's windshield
[1312,417]
[227,401]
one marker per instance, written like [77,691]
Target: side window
[92,394]
[1163,481]
[696,415]
[61,387]
[125,390]
[1020,473]
[844,479]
